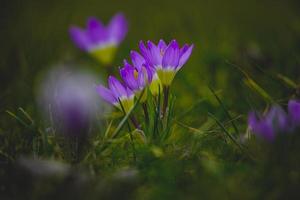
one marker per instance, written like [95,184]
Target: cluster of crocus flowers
[136,78]
[100,41]
[154,68]
[139,75]
[275,121]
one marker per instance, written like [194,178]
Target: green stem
[135,122]
[145,108]
[166,100]
[133,146]
[132,142]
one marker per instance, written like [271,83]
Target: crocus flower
[268,125]
[98,40]
[294,113]
[117,94]
[139,75]
[166,59]
[68,98]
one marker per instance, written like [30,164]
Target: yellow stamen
[135,74]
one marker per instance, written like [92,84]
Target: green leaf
[260,91]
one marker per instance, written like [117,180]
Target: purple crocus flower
[100,41]
[294,113]
[136,78]
[268,125]
[139,75]
[117,93]
[166,59]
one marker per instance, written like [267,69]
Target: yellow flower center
[166,76]
[104,55]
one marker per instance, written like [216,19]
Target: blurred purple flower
[68,98]
[68,106]
[117,93]
[268,125]
[294,113]
[99,40]
[166,59]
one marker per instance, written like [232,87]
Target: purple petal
[127,74]
[73,117]
[144,50]
[80,38]
[129,92]
[117,28]
[116,87]
[162,46]
[155,57]
[126,64]
[185,53]
[171,56]
[278,118]
[261,127]
[252,119]
[96,30]
[150,72]
[137,60]
[106,94]
[265,131]
[142,78]
[294,112]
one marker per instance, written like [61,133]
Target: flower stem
[146,113]
[166,100]
[132,142]
[133,146]
[135,122]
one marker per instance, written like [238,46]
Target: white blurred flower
[68,98]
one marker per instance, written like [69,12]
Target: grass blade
[226,111]
[226,132]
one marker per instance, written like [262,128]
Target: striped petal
[185,53]
[162,46]
[116,87]
[154,54]
[127,74]
[137,60]
[106,94]
[171,56]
